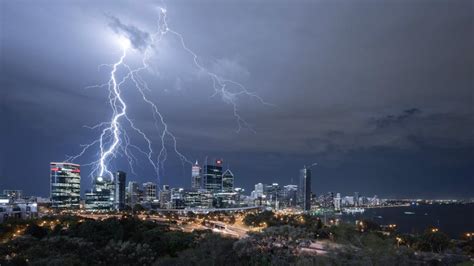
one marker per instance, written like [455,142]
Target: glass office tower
[65,185]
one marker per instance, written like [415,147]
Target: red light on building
[76,171]
[55,169]
[219,162]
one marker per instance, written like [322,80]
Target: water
[452,219]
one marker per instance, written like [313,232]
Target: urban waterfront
[453,219]
[236,133]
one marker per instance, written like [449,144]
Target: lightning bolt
[114,139]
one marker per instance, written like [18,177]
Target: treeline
[131,241]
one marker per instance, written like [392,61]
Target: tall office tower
[101,197]
[305,189]
[149,190]
[119,181]
[212,177]
[258,191]
[337,202]
[65,185]
[227,181]
[133,193]
[165,197]
[196,176]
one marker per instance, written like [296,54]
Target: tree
[36,231]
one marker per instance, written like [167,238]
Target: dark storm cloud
[396,119]
[378,92]
[138,38]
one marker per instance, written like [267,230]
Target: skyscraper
[101,197]
[119,181]
[65,185]
[337,202]
[212,177]
[133,192]
[228,181]
[305,189]
[165,197]
[196,176]
[149,189]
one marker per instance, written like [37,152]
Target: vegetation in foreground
[130,241]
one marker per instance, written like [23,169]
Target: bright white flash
[115,135]
[124,42]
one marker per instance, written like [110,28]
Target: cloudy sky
[379,93]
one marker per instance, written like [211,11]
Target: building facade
[149,191]
[133,193]
[120,181]
[227,181]
[101,197]
[212,177]
[305,189]
[196,176]
[65,181]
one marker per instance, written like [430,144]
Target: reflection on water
[453,219]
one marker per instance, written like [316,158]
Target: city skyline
[382,110]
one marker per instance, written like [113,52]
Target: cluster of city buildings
[212,187]
[300,196]
[14,206]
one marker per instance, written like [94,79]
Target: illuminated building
[17,209]
[165,197]
[258,191]
[119,181]
[225,199]
[12,193]
[177,198]
[198,199]
[149,190]
[212,177]
[65,185]
[337,202]
[305,189]
[327,200]
[196,176]
[228,181]
[133,193]
[290,193]
[101,197]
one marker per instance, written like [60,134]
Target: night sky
[379,93]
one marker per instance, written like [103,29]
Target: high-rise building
[273,194]
[133,193]
[258,191]
[228,181]
[337,202]
[212,177]
[165,197]
[177,198]
[101,197]
[196,176]
[305,189]
[119,181]
[65,185]
[149,190]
